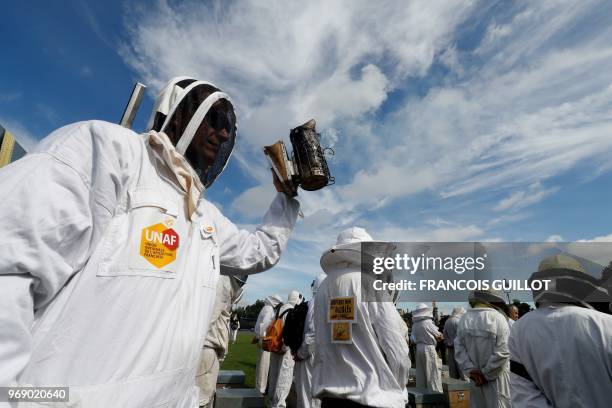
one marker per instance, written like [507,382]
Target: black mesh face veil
[209,173]
[204,100]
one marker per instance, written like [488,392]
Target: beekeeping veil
[181,108]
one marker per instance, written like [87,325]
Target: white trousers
[261,371]
[206,376]
[280,378]
[427,368]
[234,334]
[303,384]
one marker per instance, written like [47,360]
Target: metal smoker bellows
[307,167]
[309,158]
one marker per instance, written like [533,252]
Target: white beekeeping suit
[561,353]
[265,317]
[281,364]
[481,350]
[426,335]
[111,255]
[450,332]
[229,291]
[234,326]
[305,355]
[364,359]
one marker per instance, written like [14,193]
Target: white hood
[294,298]
[273,300]
[347,251]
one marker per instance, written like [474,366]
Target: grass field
[242,356]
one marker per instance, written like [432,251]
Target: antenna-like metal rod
[132,106]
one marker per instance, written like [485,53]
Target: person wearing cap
[561,353]
[111,253]
[481,349]
[362,357]
[450,332]
[280,375]
[426,336]
[229,292]
[264,318]
[304,358]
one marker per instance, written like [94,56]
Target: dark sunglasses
[218,119]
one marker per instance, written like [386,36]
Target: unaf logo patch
[158,245]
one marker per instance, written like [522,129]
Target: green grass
[242,356]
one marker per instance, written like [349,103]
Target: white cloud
[525,103]
[603,238]
[524,198]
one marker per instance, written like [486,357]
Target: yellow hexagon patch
[158,245]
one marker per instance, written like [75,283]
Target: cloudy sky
[451,120]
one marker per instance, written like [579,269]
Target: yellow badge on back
[341,316]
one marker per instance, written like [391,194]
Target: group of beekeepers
[118,276]
[559,355]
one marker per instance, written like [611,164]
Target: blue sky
[451,120]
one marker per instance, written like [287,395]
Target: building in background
[10,149]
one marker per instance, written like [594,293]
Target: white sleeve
[500,356]
[258,321]
[56,202]
[391,332]
[524,393]
[243,252]
[266,319]
[432,329]
[461,354]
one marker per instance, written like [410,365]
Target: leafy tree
[250,311]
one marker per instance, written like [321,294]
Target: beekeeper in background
[561,353]
[229,292]
[426,335]
[111,254]
[481,349]
[361,357]
[449,333]
[304,360]
[280,376]
[234,327]
[264,318]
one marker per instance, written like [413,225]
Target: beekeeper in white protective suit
[111,255]
[280,376]
[305,355]
[481,349]
[426,335]
[361,356]
[264,318]
[449,333]
[234,327]
[229,292]
[561,353]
